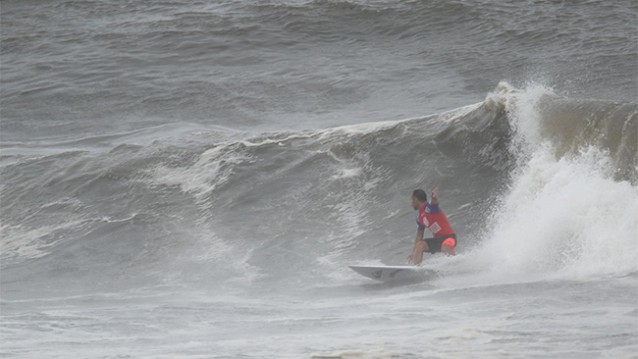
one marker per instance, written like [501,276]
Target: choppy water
[191,179]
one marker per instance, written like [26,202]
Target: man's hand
[435,196]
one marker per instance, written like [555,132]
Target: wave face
[531,181]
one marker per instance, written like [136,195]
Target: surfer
[432,217]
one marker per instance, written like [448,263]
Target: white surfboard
[394,273]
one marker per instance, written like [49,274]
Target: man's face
[415,203]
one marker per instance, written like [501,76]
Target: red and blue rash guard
[432,217]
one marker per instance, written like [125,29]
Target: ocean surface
[191,179]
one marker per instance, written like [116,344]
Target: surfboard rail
[393,273]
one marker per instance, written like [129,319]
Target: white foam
[27,243]
[213,168]
[373,353]
[561,215]
[345,173]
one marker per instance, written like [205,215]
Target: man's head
[418,198]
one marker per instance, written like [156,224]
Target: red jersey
[432,217]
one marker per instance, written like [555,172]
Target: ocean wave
[333,195]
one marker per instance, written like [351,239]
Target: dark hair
[420,195]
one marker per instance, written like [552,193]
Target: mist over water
[184,179]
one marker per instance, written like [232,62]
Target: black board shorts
[434,244]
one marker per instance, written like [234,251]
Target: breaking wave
[533,182]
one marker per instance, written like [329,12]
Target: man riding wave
[432,217]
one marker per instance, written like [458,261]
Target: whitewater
[192,180]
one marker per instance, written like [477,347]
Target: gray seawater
[186,179]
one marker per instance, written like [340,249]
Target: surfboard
[393,273]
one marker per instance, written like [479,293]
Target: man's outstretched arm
[435,196]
